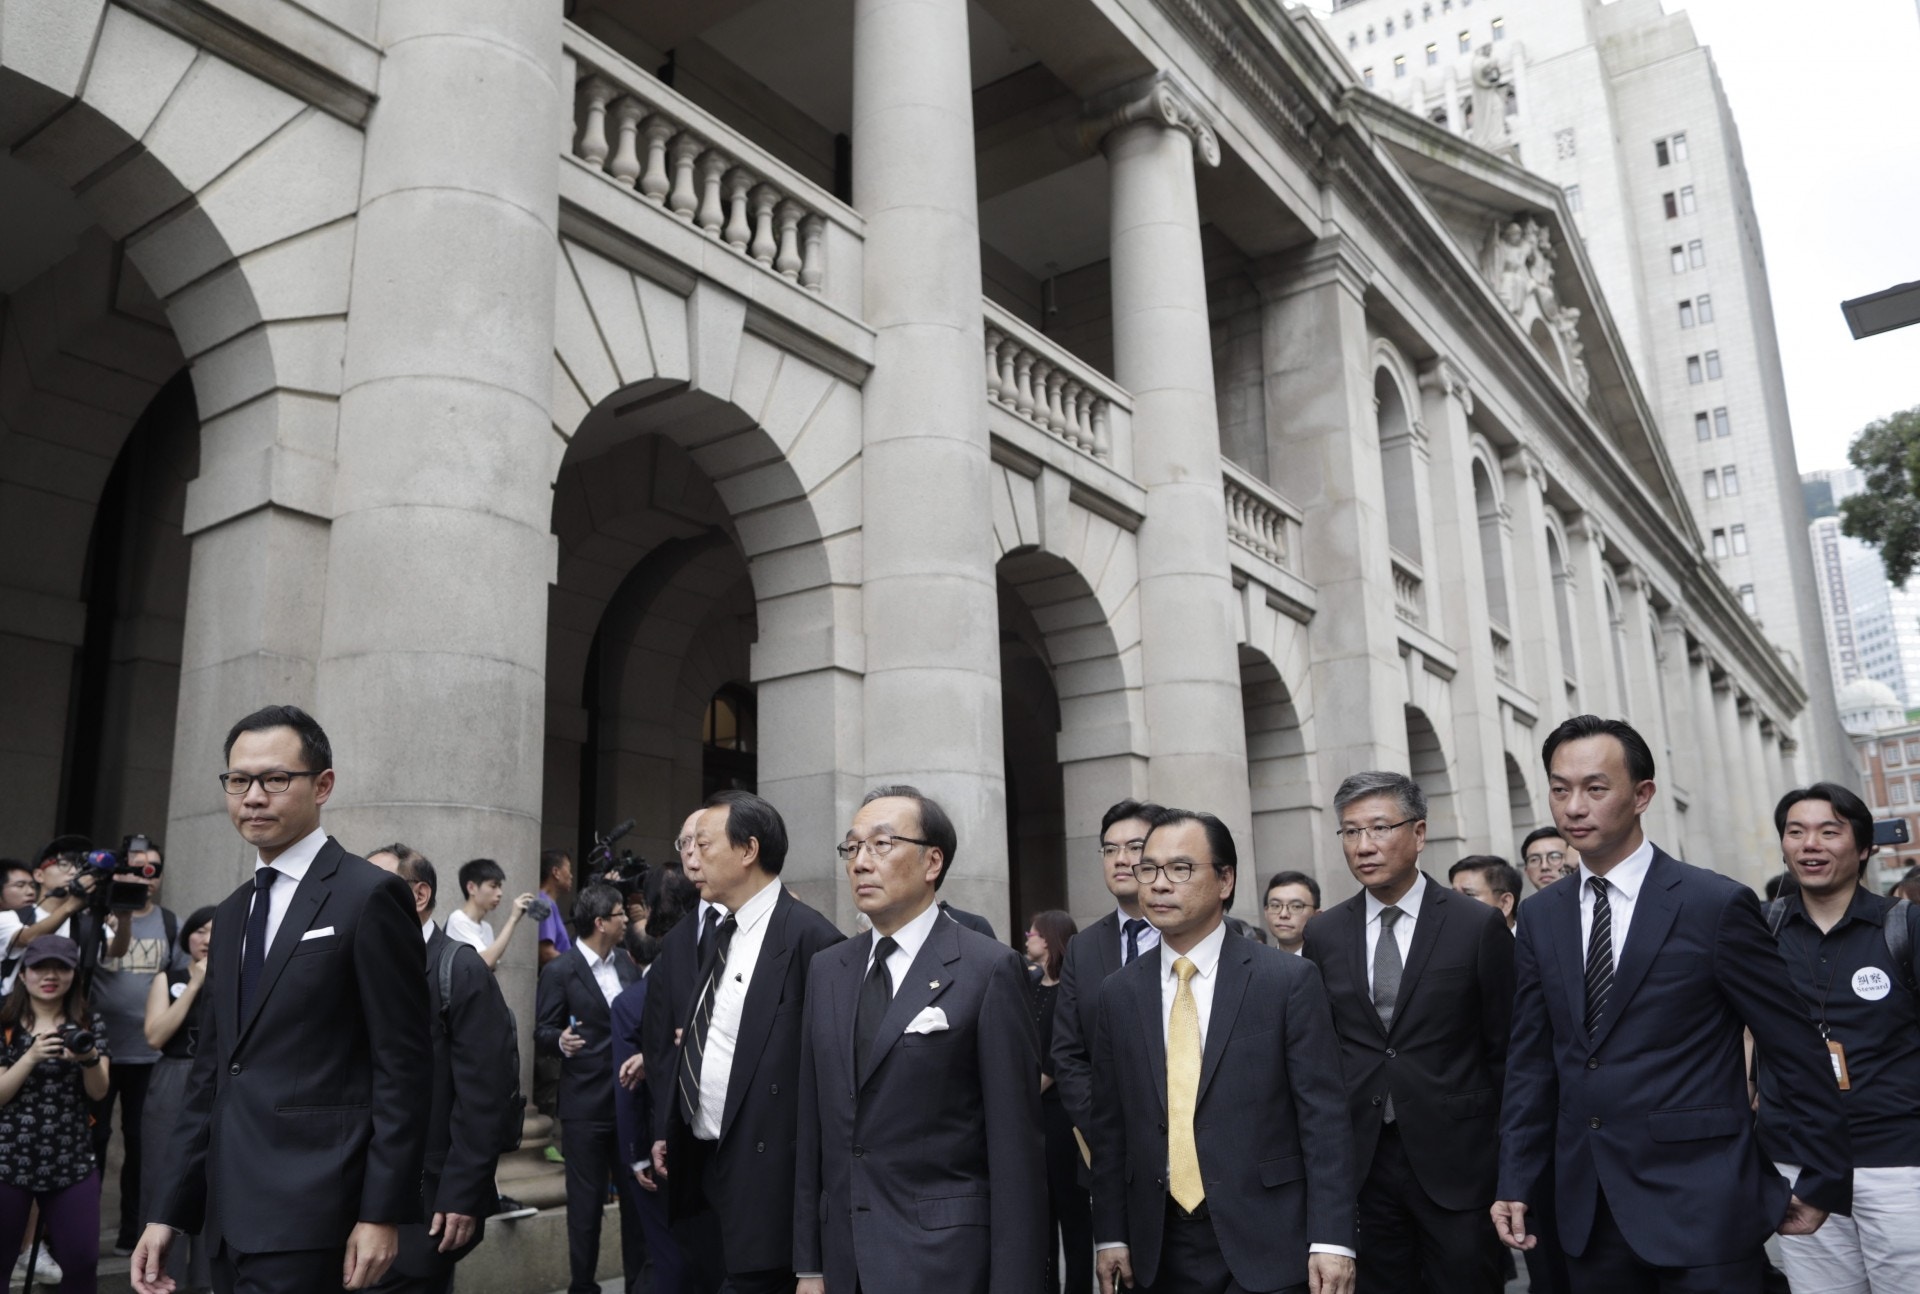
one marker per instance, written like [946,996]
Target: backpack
[513,1119]
[1899,935]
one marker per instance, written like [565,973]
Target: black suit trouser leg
[591,1155]
[298,1271]
[1191,1261]
[1407,1242]
[695,1222]
[1067,1202]
[1546,1265]
[420,1267]
[1609,1266]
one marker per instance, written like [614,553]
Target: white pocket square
[931,1020]
[321,933]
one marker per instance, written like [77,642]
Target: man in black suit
[1421,981]
[726,1109]
[673,978]
[304,1127]
[921,1164]
[633,1126]
[971,920]
[476,1068]
[573,1019]
[1628,1072]
[1222,1160]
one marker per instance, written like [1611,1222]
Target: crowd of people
[1632,1078]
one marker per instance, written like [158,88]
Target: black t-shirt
[46,1141]
[180,1046]
[1848,978]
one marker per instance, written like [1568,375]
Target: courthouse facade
[1041,403]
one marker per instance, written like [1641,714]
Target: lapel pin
[933,983]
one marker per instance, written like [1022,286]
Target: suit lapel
[225,957]
[1426,933]
[1653,913]
[308,899]
[1145,988]
[1235,972]
[756,1013]
[846,993]
[927,979]
[1357,905]
[585,973]
[1106,933]
[1563,919]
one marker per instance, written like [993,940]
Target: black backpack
[1899,935]
[514,1117]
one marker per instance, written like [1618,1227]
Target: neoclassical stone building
[1043,403]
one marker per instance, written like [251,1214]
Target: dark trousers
[126,1083]
[592,1160]
[1069,1212]
[667,1265]
[298,1271]
[420,1267]
[1609,1266]
[1546,1265]
[700,1229]
[1407,1242]
[1190,1258]
[71,1217]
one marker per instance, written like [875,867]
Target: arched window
[730,741]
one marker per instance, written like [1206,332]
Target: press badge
[1838,1054]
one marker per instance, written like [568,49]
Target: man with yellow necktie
[1223,1154]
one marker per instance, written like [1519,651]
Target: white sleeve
[463,928]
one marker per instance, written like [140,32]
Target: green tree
[1887,513]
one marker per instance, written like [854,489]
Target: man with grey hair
[1421,981]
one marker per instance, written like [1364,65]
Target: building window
[1719,544]
[1433,55]
[1353,40]
[1466,42]
[1678,255]
[1710,484]
[1670,204]
[1739,540]
[1686,314]
[1913,750]
[1446,6]
[1438,116]
[1371,37]
[1389,26]
[1721,425]
[1563,148]
[1660,152]
[1730,480]
[1694,377]
[1749,603]
[1713,365]
[1426,13]
[1686,199]
[1696,253]
[1704,305]
[1367,76]
[1897,791]
[1701,429]
[1399,65]
[1573,197]
[1892,753]
[1679,142]
[1499,28]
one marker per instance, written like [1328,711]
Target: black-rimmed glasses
[272,783]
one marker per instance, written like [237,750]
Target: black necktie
[1133,927]
[255,955]
[695,1049]
[876,995]
[1599,953]
[707,923]
[1387,969]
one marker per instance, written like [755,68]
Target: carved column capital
[1523,460]
[1157,98]
[1586,526]
[1443,378]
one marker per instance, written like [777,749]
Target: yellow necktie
[1183,1091]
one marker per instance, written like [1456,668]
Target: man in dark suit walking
[1221,1154]
[301,1139]
[727,1108]
[633,1128]
[1421,981]
[921,1164]
[673,978]
[1628,1072]
[476,1069]
[573,1019]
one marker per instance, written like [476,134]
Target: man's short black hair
[597,902]
[315,749]
[478,872]
[1844,802]
[551,860]
[1539,834]
[414,869]
[1639,755]
[1294,878]
[751,818]
[1141,809]
[1219,838]
[935,825]
[68,846]
[8,866]
[1501,876]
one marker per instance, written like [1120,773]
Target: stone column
[1763,847]
[1592,623]
[1537,648]
[1458,610]
[433,652]
[1162,348]
[1733,854]
[1684,780]
[1325,453]
[1646,699]
[932,689]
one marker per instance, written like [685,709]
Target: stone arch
[1489,512]
[1432,763]
[1284,790]
[1394,402]
[1520,811]
[1561,575]
[1617,644]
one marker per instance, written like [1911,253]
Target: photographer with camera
[60,894]
[481,882]
[54,1052]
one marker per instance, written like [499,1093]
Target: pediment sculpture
[1518,260]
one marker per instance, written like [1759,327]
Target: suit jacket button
[1376,1100]
[1163,1127]
[1389,1053]
[1593,1062]
[1593,1123]
[759,1147]
[859,1151]
[775,1090]
[234,1068]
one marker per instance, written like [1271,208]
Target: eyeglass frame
[1138,845]
[261,778]
[1295,906]
[849,850]
[1154,870]
[1378,832]
[1556,858]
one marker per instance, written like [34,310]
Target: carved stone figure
[1506,265]
[1489,129]
[1540,263]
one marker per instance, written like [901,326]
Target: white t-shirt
[11,925]
[464,928]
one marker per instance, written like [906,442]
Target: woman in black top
[1047,936]
[54,1049]
[173,1027]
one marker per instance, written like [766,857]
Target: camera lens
[539,909]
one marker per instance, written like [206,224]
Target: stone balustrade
[1502,653]
[630,126]
[1409,597]
[1259,519]
[1057,392]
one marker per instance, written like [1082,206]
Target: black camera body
[77,1040]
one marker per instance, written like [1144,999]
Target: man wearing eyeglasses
[1545,856]
[1293,899]
[920,1164]
[1421,980]
[304,1129]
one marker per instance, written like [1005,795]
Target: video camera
[625,871]
[98,866]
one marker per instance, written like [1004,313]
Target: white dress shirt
[729,999]
[292,865]
[1623,891]
[426,930]
[909,939]
[1146,939]
[1409,906]
[603,970]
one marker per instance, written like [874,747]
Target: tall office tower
[1623,108]
[1872,627]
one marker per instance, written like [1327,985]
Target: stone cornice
[1160,99]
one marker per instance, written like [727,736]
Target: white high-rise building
[1872,627]
[1622,107]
